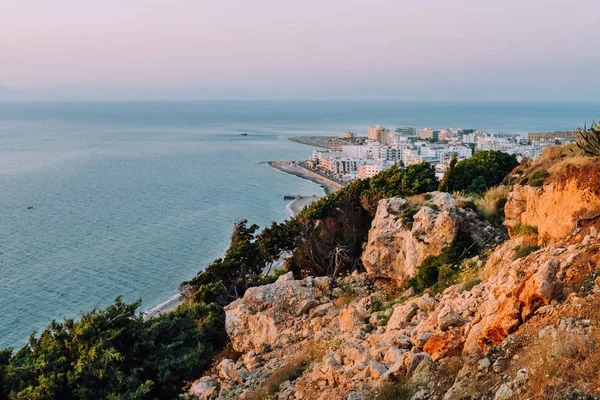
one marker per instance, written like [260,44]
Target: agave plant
[589,140]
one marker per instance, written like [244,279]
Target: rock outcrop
[554,208]
[262,317]
[301,341]
[398,242]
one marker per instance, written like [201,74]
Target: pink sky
[330,47]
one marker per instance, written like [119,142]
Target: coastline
[293,208]
[164,307]
[293,168]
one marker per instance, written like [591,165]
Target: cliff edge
[518,320]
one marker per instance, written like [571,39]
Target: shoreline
[166,306]
[291,167]
[293,208]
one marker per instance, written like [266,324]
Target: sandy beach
[295,206]
[291,167]
[164,307]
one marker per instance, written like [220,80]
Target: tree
[115,354]
[446,183]
[479,173]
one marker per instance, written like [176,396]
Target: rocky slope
[518,324]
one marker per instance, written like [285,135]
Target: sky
[309,49]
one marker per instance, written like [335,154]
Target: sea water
[99,200]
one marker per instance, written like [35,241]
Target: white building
[371,151]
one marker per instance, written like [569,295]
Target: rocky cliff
[520,322]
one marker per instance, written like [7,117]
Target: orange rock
[445,344]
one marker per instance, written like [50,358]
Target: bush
[588,140]
[521,229]
[401,390]
[538,178]
[115,354]
[478,173]
[439,272]
[524,251]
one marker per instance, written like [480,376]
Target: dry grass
[290,371]
[561,366]
[418,200]
[555,159]
[568,363]
[491,204]
[393,391]
[576,161]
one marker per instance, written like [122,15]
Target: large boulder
[266,314]
[398,243]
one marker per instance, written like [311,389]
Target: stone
[349,319]
[420,339]
[393,355]
[289,276]
[484,363]
[251,360]
[359,395]
[402,315]
[426,303]
[225,368]
[444,344]
[447,318]
[263,315]
[586,240]
[364,306]
[504,392]
[411,360]
[376,370]
[228,370]
[204,388]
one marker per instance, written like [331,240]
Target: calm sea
[99,200]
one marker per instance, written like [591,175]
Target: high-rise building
[427,134]
[378,133]
[375,133]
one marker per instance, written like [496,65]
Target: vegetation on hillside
[334,228]
[588,140]
[478,173]
[114,354]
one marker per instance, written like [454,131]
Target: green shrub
[482,171]
[538,178]
[439,272]
[523,251]
[521,229]
[588,140]
[115,354]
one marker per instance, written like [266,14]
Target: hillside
[451,305]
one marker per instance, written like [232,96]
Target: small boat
[243,134]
